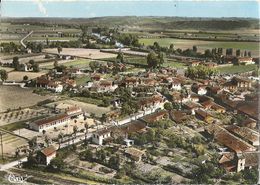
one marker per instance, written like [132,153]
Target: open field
[80,52]
[203,45]
[25,59]
[87,107]
[18,75]
[14,97]
[78,63]
[236,69]
[7,69]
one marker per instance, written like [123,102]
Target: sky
[100,8]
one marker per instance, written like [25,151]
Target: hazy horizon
[116,8]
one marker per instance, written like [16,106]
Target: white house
[100,135]
[49,123]
[46,155]
[202,91]
[104,86]
[176,84]
[55,87]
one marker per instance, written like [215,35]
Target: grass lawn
[236,69]
[80,63]
[136,60]
[82,80]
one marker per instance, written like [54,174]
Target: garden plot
[11,143]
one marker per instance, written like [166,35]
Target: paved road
[12,164]
[21,41]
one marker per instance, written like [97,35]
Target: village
[125,115]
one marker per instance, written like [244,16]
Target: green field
[202,45]
[236,69]
[82,80]
[80,63]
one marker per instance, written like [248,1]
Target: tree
[25,78]
[59,48]
[151,135]
[94,65]
[101,156]
[47,41]
[36,68]
[168,106]
[245,53]
[86,131]
[161,58]
[238,53]
[60,139]
[194,49]
[55,64]
[16,63]
[3,75]
[251,175]
[32,62]
[156,46]
[56,164]
[199,149]
[207,53]
[103,118]
[152,60]
[220,51]
[86,155]
[33,142]
[120,57]
[114,162]
[171,47]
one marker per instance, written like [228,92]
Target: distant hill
[177,23]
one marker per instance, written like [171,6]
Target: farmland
[15,97]
[80,52]
[236,69]
[202,45]
[18,75]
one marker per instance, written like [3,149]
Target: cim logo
[17,179]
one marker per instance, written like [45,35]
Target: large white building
[49,123]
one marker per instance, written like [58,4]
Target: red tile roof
[48,151]
[51,119]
